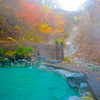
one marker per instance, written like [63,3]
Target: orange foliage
[98,78]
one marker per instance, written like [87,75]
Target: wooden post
[56,50]
[62,51]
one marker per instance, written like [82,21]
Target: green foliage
[20,50]
[63,42]
[55,42]
[9,53]
[26,51]
[1,51]
[68,59]
[59,41]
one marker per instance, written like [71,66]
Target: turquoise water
[33,84]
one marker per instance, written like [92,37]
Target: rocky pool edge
[76,80]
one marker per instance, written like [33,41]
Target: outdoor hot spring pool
[25,83]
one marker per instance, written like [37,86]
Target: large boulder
[62,72]
[21,63]
[1,57]
[74,79]
[5,62]
[28,58]
[75,98]
[85,95]
[83,88]
[1,54]
[19,56]
[10,58]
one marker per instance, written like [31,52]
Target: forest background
[43,21]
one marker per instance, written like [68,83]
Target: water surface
[26,83]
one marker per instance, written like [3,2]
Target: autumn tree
[27,20]
[89,36]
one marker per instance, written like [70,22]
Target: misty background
[44,21]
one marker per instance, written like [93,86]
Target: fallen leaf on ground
[85,72]
[98,78]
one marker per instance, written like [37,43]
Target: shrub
[9,53]
[1,51]
[25,51]
[10,58]
[20,50]
[68,59]
[59,41]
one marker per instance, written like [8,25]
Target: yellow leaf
[74,29]
[32,39]
[23,39]
[2,41]
[10,38]
[46,8]
[82,44]
[62,30]
[48,30]
[43,27]
[18,27]
[1,32]
[4,19]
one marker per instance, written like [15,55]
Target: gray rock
[10,58]
[1,54]
[21,63]
[31,63]
[83,88]
[5,63]
[28,58]
[85,95]
[63,72]
[55,61]
[1,57]
[75,98]
[43,67]
[19,56]
[74,79]
[47,61]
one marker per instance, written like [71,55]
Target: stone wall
[48,51]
